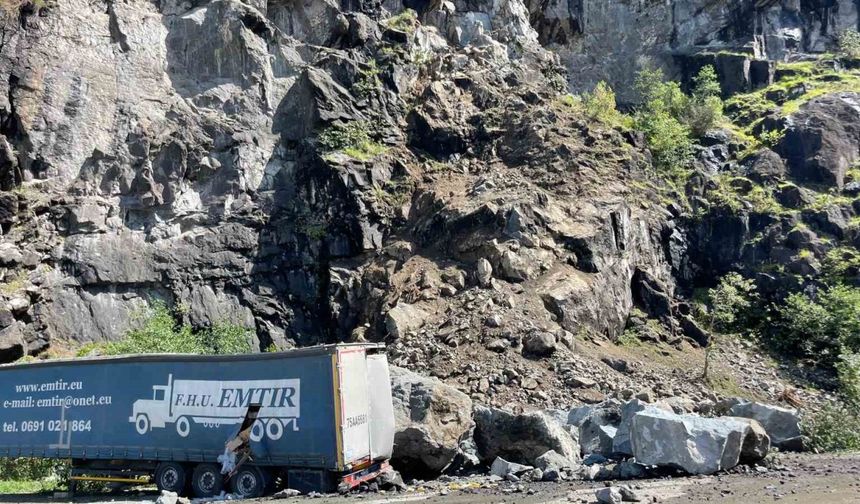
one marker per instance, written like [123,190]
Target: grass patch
[28,487]
[845,82]
[395,192]
[809,78]
[352,139]
[629,338]
[824,200]
[406,21]
[14,285]
[365,151]
[723,383]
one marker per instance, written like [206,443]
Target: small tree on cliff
[727,303]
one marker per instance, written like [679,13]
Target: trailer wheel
[141,423]
[248,482]
[170,476]
[183,428]
[274,429]
[207,480]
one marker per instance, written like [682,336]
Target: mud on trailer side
[316,418]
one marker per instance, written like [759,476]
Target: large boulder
[598,425]
[503,468]
[765,167]
[694,444]
[12,344]
[540,344]
[430,419]
[404,318]
[10,255]
[757,442]
[521,438]
[621,443]
[822,140]
[781,424]
[608,413]
[552,463]
[596,437]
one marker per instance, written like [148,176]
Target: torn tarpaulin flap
[227,461]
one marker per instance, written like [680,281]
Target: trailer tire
[248,482]
[183,427]
[274,429]
[207,481]
[141,423]
[171,476]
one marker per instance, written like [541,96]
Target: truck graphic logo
[212,403]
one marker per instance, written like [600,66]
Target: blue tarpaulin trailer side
[315,409]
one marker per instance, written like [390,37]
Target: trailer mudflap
[352,480]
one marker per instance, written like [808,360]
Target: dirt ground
[804,479]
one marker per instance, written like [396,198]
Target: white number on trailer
[355,405]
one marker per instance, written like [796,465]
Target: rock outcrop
[822,140]
[253,167]
[610,41]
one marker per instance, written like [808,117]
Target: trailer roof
[172,357]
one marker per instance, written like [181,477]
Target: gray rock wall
[167,151]
[143,142]
[611,40]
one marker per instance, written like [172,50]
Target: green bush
[406,21]
[730,302]
[670,119]
[849,43]
[30,475]
[835,428]
[352,138]
[157,330]
[771,138]
[30,469]
[841,263]
[663,103]
[668,139]
[600,104]
[368,80]
[848,371]
[226,339]
[823,327]
[657,94]
[705,108]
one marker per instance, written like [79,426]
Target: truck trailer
[314,419]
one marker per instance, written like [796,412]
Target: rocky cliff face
[599,40]
[326,172]
[169,152]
